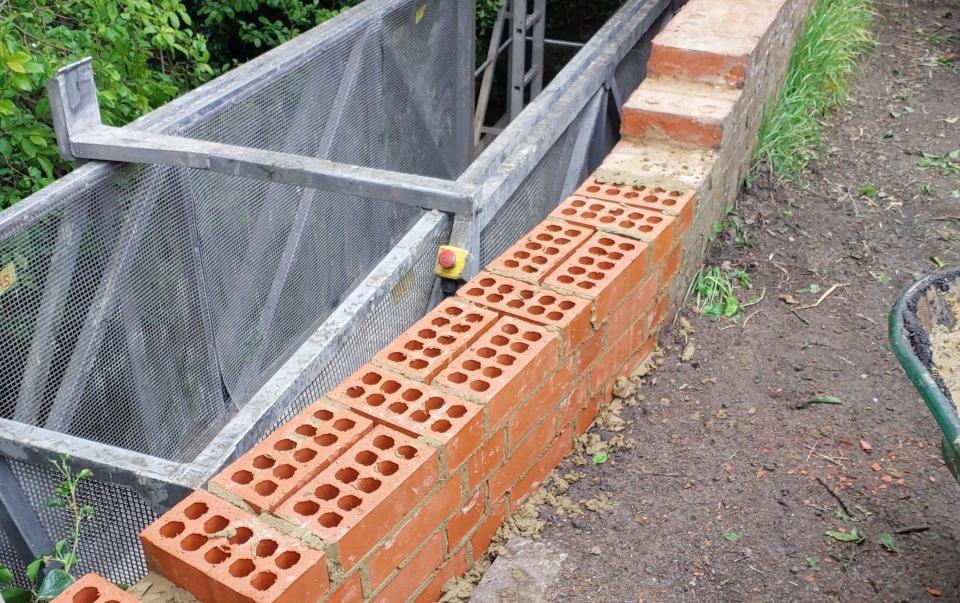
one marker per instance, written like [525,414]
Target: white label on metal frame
[8,277]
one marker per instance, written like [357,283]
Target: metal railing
[169,317]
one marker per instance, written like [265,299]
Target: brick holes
[231,550]
[541,306]
[413,408]
[548,244]
[271,471]
[426,348]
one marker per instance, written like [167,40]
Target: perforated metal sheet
[536,197]
[109,541]
[167,287]
[407,303]
[105,321]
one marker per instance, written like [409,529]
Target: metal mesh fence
[537,196]
[109,541]
[145,294]
[406,303]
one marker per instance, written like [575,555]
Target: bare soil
[734,477]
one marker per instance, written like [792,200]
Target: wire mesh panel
[109,540]
[104,324]
[406,303]
[538,194]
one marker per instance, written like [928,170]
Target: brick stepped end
[712,42]
[656,164]
[680,112]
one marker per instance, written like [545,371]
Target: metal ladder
[525,25]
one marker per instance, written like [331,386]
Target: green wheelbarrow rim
[943,409]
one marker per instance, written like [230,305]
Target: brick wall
[398,479]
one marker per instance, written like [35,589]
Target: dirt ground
[725,495]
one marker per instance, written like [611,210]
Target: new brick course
[399,478]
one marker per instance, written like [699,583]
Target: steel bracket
[82,135]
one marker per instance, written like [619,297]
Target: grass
[836,34]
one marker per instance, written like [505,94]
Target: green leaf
[852,536]
[882,277]
[16,595]
[937,262]
[733,536]
[6,576]
[84,474]
[17,61]
[825,399]
[812,562]
[7,107]
[55,582]
[600,458]
[33,570]
[868,191]
[888,542]
[53,503]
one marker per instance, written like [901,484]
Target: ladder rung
[528,76]
[534,18]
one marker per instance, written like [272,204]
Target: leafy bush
[145,54]
[238,30]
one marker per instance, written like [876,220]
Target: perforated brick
[651,227]
[451,422]
[567,314]
[426,348]
[504,366]
[604,269]
[94,589]
[223,554]
[291,456]
[671,202]
[540,251]
[354,502]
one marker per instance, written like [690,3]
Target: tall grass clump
[836,34]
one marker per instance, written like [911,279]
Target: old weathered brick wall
[398,478]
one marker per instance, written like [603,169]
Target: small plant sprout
[51,574]
[714,294]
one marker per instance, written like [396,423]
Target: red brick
[688,114]
[679,204]
[374,484]
[484,535]
[451,423]
[650,226]
[637,305]
[222,554]
[350,591]
[414,573]
[697,65]
[587,414]
[490,456]
[464,520]
[573,404]
[426,348]
[503,367]
[658,314]
[604,269]
[452,568]
[93,589]
[567,315]
[418,527]
[540,251]
[522,457]
[670,266]
[291,456]
[554,389]
[590,350]
[542,468]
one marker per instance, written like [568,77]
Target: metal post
[518,56]
[18,520]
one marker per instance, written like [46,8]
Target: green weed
[836,34]
[714,291]
[947,164]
